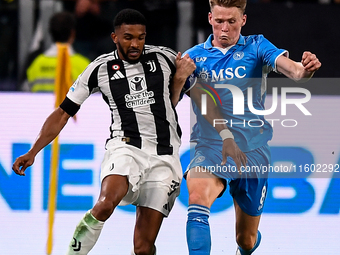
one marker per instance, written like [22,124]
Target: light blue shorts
[248,189]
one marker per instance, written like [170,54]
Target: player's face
[130,40]
[226,25]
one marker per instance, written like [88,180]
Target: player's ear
[209,18]
[244,19]
[114,37]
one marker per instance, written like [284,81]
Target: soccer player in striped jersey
[240,62]
[141,165]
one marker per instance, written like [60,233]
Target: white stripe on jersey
[170,114]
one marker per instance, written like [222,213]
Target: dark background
[294,26]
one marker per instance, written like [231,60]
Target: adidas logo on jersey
[117,75]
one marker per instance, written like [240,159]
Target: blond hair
[240,4]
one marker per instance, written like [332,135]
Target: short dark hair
[61,26]
[129,17]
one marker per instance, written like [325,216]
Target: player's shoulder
[195,50]
[104,58]
[159,49]
[99,61]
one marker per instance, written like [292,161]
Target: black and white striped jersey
[138,96]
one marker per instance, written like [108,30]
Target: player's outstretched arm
[299,71]
[184,67]
[50,130]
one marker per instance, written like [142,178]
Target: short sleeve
[80,91]
[268,52]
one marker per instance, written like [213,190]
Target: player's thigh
[202,183]
[122,162]
[148,223]
[113,188]
[203,187]
[160,184]
[119,159]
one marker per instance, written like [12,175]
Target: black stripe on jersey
[93,79]
[119,88]
[173,70]
[179,130]
[155,83]
[102,58]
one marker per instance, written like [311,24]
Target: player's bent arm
[229,147]
[291,69]
[185,66]
[298,71]
[50,129]
[213,111]
[176,86]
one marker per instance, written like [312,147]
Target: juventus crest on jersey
[138,96]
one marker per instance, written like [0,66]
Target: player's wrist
[180,78]
[225,134]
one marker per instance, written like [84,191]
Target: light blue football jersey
[243,68]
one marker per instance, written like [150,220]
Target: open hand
[231,149]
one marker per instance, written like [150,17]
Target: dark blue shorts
[248,189]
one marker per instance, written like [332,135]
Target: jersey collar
[208,42]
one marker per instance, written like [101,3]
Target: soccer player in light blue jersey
[230,66]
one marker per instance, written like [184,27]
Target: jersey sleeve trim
[283,53]
[189,84]
[70,107]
